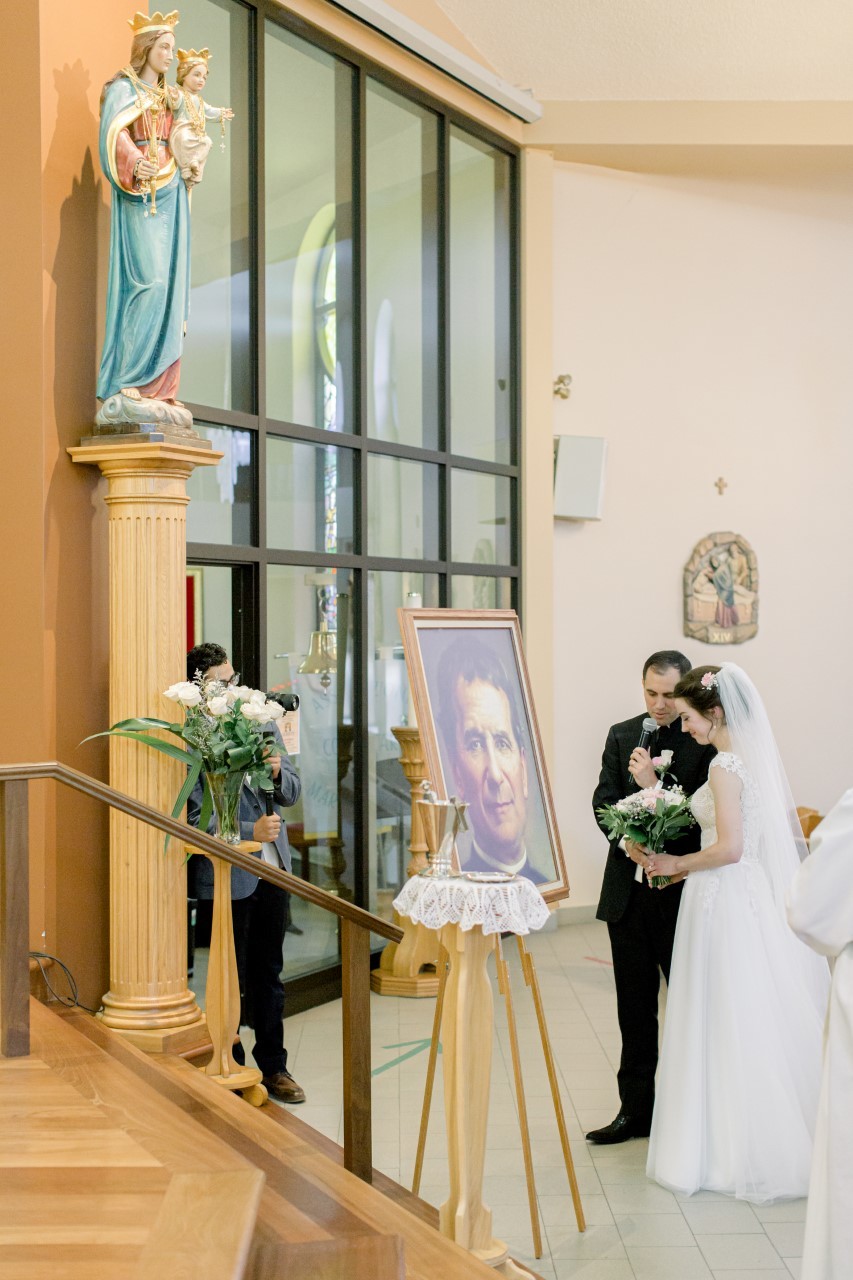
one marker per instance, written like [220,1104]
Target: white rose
[239,691]
[253,713]
[218,706]
[273,710]
[188,694]
[666,757]
[258,698]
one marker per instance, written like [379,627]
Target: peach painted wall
[707,326]
[54,537]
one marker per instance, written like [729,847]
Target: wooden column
[399,972]
[148,998]
[14,921]
[355,1013]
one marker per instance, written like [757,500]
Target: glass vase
[225,791]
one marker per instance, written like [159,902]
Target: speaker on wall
[579,477]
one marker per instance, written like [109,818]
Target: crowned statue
[153,145]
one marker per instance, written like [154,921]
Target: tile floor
[636,1230]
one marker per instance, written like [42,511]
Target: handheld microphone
[650,727]
[268,804]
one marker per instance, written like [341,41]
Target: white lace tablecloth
[512,906]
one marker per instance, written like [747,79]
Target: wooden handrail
[52,769]
[356,926]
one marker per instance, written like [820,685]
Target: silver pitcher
[443,820]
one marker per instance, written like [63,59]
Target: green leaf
[206,807]
[144,722]
[184,795]
[240,757]
[167,748]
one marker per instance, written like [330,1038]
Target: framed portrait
[481,741]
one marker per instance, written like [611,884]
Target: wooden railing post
[14,921]
[355,990]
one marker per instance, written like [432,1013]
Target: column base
[189,1041]
[416,987]
[401,965]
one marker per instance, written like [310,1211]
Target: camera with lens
[287,701]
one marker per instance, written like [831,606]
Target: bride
[740,1067]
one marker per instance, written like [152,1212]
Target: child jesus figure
[189,141]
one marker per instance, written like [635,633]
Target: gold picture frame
[481,742]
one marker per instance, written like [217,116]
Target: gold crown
[156,22]
[188,56]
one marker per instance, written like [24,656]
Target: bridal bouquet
[649,817]
[222,742]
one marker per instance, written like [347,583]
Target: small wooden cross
[720,485]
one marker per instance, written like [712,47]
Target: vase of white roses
[222,743]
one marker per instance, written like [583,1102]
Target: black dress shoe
[620,1130]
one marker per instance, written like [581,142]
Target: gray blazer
[286,793]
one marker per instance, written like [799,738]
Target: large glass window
[481,507]
[217,360]
[308,217]
[402,269]
[389,709]
[309,653]
[480,315]
[402,522]
[222,496]
[353,265]
[309,496]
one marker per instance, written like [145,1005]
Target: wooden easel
[531,980]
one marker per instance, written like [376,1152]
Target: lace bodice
[702,806]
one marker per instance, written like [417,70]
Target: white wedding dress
[739,1075]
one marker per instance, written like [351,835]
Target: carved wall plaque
[721,590]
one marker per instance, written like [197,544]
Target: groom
[641,920]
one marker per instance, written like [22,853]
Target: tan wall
[537,171]
[707,328]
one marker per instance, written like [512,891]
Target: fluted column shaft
[148,998]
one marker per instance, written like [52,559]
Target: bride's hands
[661,864]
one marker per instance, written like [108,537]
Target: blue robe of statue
[148,287]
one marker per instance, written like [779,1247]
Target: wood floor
[114,1164]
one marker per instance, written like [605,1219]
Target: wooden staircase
[115,1163]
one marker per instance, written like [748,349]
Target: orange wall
[21,518]
[55,642]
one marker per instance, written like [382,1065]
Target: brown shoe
[283,1086]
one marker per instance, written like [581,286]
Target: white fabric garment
[820,910]
[270,855]
[739,1075]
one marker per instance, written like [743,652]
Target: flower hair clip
[709,680]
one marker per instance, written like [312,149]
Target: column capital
[150,456]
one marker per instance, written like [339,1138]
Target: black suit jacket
[689,768]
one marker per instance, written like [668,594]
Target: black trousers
[641,944]
[259,928]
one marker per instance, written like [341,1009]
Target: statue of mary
[148,286]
